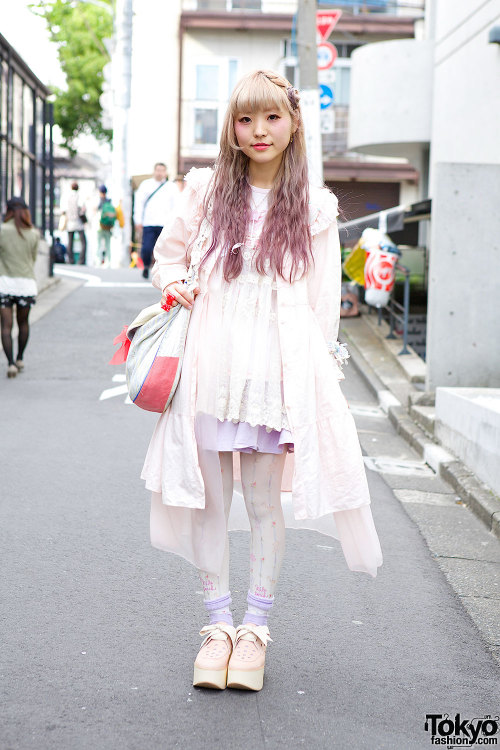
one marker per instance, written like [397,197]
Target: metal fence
[397,312]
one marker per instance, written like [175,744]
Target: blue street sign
[325,96]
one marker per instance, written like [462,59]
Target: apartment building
[186,63]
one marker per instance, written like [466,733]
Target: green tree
[79,28]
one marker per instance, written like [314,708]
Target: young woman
[257,378]
[18,251]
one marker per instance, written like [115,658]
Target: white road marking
[118,390]
[93,281]
[119,378]
[401,467]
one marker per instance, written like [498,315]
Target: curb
[476,495]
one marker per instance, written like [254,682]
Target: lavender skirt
[242,437]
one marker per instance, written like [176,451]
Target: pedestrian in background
[76,219]
[257,376]
[107,220]
[154,202]
[18,251]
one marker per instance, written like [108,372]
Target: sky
[29,36]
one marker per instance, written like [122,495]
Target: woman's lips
[261,146]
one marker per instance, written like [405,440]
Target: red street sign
[326,20]
[327,54]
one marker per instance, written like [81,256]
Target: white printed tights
[261,475]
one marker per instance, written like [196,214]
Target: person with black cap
[18,250]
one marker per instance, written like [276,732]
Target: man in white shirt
[154,201]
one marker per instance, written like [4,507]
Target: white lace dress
[239,402]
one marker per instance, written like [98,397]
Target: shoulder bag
[153,350]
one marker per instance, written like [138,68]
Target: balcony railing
[350,7]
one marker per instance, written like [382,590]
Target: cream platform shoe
[210,667]
[246,665]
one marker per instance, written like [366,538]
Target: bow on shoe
[218,632]
[253,633]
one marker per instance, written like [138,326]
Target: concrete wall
[463,331]
[466,98]
[390,108]
[468,423]
[154,97]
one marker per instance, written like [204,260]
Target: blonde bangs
[256,92]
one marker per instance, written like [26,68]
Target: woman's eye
[244,119]
[274,117]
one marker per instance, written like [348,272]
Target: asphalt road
[100,630]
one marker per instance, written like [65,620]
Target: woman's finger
[181,294]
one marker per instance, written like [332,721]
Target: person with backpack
[106,223]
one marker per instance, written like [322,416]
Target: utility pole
[122,77]
[308,84]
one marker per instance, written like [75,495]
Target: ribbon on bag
[120,356]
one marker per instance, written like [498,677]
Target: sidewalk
[397,381]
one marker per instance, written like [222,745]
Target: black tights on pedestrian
[6,317]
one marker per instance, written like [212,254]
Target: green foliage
[79,28]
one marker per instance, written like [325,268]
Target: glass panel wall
[25,138]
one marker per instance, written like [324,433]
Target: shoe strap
[253,633]
[218,632]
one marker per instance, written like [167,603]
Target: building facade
[436,100]
[25,138]
[186,64]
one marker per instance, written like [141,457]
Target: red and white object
[380,266]
[326,20]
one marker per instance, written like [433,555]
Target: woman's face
[263,136]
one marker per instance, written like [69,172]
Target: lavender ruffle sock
[218,609]
[258,609]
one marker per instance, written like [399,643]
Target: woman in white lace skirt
[260,375]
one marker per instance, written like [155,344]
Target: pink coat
[329,473]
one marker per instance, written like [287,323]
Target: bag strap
[150,196]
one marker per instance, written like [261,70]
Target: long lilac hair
[227,202]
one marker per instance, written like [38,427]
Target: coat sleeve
[324,279]
[171,249]
[34,246]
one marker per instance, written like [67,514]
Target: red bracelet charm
[168,302]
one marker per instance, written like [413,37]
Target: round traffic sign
[327,54]
[325,96]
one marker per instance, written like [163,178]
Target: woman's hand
[179,291]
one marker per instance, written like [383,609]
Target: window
[212,80]
[207,81]
[341,87]
[205,126]
[232,75]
